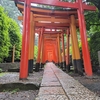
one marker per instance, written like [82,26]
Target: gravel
[16,94]
[92,83]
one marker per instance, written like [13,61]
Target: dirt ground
[92,83]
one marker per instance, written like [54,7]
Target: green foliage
[12,90]
[35,51]
[92,17]
[92,20]
[0,71]
[11,9]
[94,44]
[15,39]
[15,90]
[9,36]
[93,26]
[95,2]
[4,35]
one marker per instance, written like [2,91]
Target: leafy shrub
[94,44]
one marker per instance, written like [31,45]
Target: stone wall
[7,66]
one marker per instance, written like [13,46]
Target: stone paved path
[57,85]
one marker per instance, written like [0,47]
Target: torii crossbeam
[74,5]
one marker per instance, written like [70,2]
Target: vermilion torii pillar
[77,60]
[73,54]
[67,52]
[39,51]
[42,52]
[85,50]
[63,50]
[25,41]
[59,51]
[31,45]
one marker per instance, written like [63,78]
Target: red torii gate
[26,30]
[50,48]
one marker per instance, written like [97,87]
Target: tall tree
[11,9]
[95,2]
[94,44]
[9,36]
[15,39]
[4,35]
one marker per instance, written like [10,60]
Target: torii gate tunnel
[51,25]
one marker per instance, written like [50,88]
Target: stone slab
[49,77]
[51,84]
[52,97]
[51,88]
[50,81]
[51,91]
